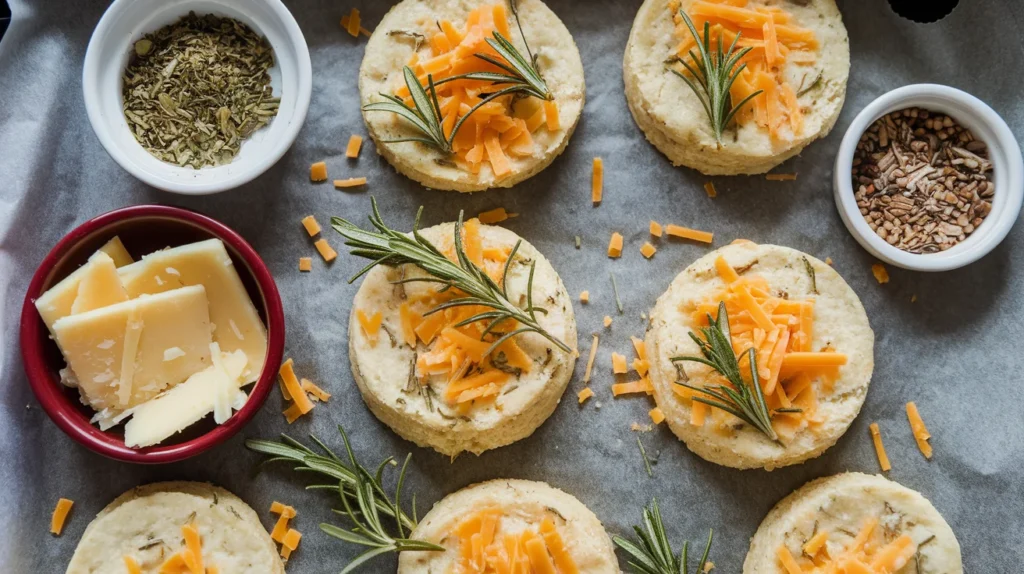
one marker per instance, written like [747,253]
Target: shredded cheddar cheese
[305,264]
[655,228]
[280,508]
[318,171]
[311,225]
[350,182]
[872,550]
[780,177]
[615,245]
[317,393]
[484,547]
[876,437]
[344,24]
[494,216]
[584,395]
[355,143]
[499,132]
[131,565]
[921,434]
[687,233]
[597,184]
[709,188]
[647,250]
[881,273]
[618,364]
[370,325]
[781,332]
[302,403]
[776,42]
[60,515]
[352,25]
[657,416]
[639,386]
[607,321]
[325,250]
[290,543]
[584,296]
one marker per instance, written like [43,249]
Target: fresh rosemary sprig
[652,552]
[713,75]
[520,74]
[362,494]
[425,113]
[389,247]
[743,400]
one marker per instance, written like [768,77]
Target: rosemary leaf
[643,454]
[810,273]
[615,290]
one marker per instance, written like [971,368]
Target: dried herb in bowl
[196,89]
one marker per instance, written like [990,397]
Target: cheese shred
[590,360]
[921,434]
[60,515]
[883,459]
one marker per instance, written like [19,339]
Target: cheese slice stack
[166,340]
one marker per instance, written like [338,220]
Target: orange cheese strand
[325,250]
[350,182]
[194,545]
[619,364]
[816,543]
[131,565]
[283,509]
[687,233]
[657,417]
[290,542]
[655,228]
[615,245]
[305,264]
[370,325]
[585,394]
[921,434]
[787,561]
[876,437]
[640,386]
[563,561]
[318,393]
[60,515]
[318,171]
[352,25]
[311,225]
[597,183]
[590,360]
[493,216]
[291,382]
[355,143]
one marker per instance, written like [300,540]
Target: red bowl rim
[48,391]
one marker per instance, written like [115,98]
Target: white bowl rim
[197,186]
[1008,171]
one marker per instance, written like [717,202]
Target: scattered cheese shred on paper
[584,395]
[597,183]
[607,321]
[346,19]
[60,515]
[496,215]
[881,273]
[655,228]
[618,364]
[355,143]
[325,249]
[688,233]
[921,434]
[318,171]
[657,416]
[709,188]
[615,245]
[350,182]
[584,296]
[311,225]
[876,437]
[648,250]
[780,177]
[290,543]
[305,264]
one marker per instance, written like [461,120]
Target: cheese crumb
[648,250]
[318,171]
[355,143]
[173,353]
[585,394]
[311,225]
[615,245]
[881,273]
[655,228]
[328,253]
[60,515]
[607,321]
[305,264]
[585,297]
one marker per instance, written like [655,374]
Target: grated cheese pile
[486,548]
[500,130]
[781,332]
[775,40]
[869,552]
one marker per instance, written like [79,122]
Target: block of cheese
[59,299]
[118,352]
[100,285]
[173,411]
[236,323]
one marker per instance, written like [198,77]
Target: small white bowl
[1007,174]
[126,21]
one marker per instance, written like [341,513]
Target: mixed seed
[196,89]
[922,181]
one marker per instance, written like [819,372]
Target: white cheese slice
[100,285]
[172,412]
[115,249]
[237,323]
[59,299]
[98,346]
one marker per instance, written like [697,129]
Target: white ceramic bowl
[126,21]
[1007,174]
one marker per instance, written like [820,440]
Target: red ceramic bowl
[143,229]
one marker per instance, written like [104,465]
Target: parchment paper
[956,350]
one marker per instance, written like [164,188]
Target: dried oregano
[196,89]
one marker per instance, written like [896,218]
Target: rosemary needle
[643,453]
[615,289]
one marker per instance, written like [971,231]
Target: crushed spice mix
[922,181]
